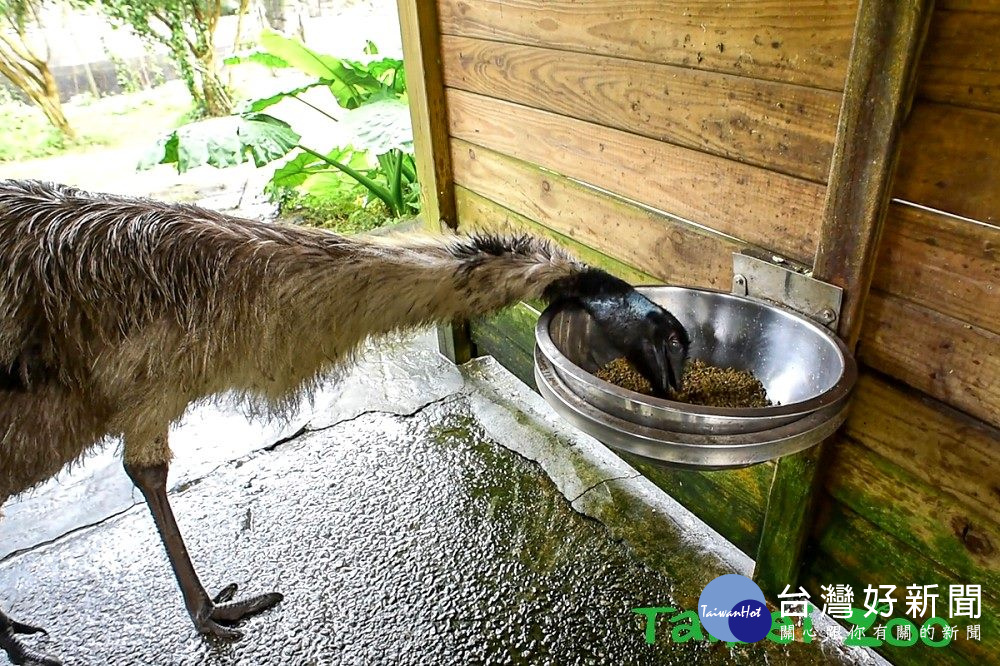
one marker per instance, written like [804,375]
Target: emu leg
[207,613]
[16,651]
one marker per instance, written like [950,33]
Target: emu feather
[123,311]
[117,313]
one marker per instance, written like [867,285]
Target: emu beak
[677,363]
[662,366]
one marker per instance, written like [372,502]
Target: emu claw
[223,611]
[17,652]
[22,628]
[226,594]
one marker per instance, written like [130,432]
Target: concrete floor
[420,514]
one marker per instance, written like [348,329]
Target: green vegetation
[346,212]
[186,28]
[368,105]
[110,121]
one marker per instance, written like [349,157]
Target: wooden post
[878,93]
[418,23]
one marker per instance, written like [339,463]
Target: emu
[117,313]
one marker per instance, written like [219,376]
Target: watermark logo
[732,608]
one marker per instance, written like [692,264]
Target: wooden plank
[671,250]
[760,206]
[956,363]
[418,24]
[961,62]
[478,212]
[884,53]
[803,42]
[867,149]
[778,126]
[948,264]
[958,539]
[822,569]
[870,556]
[730,502]
[951,161]
[789,509]
[944,448]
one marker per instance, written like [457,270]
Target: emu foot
[222,610]
[17,652]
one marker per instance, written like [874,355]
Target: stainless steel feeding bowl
[807,372]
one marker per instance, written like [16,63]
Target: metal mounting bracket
[779,280]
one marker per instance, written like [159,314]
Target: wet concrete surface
[423,514]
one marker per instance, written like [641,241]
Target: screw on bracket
[739,285]
[827,316]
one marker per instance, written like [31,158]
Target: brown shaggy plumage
[117,313]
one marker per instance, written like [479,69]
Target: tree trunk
[50,103]
[214,93]
[91,81]
[33,78]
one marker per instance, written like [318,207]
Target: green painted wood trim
[852,550]
[785,522]
[723,499]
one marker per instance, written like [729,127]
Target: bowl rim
[838,392]
[701,451]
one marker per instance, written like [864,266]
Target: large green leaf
[295,171]
[264,102]
[298,55]
[259,58]
[352,82]
[380,126]
[303,166]
[266,138]
[224,142]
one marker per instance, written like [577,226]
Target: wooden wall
[657,137]
[656,151]
[912,492]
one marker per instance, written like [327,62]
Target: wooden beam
[778,126]
[804,42]
[888,38]
[418,25]
[760,206]
[877,100]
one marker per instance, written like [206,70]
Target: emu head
[650,337]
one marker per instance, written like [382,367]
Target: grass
[348,211]
[106,122]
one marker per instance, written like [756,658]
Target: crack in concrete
[451,397]
[601,483]
[190,483]
[48,542]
